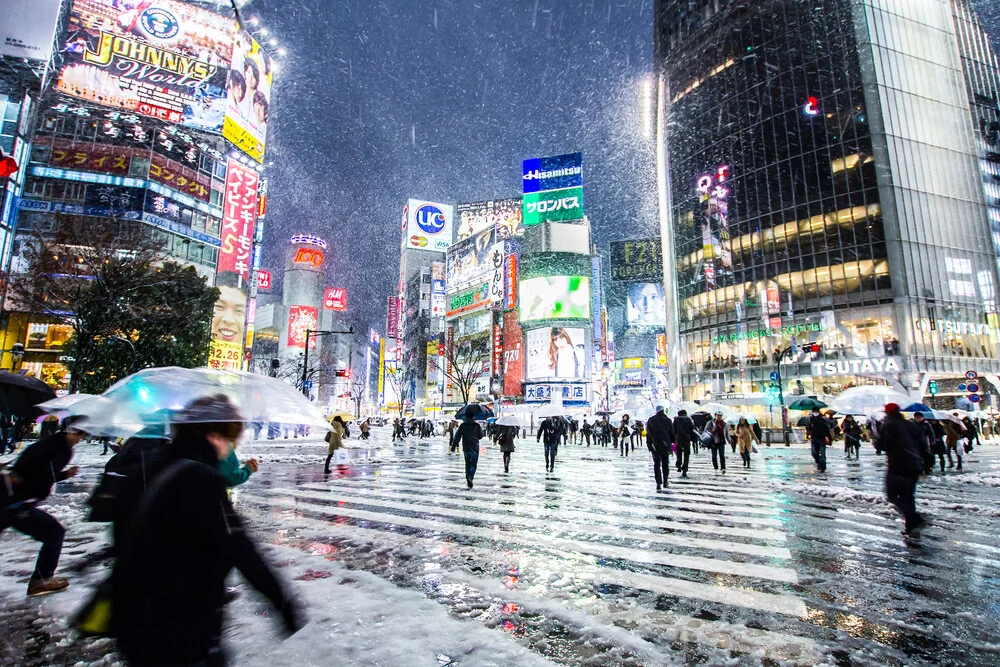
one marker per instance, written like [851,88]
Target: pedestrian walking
[168,583]
[549,429]
[852,436]
[718,429]
[926,441]
[939,448]
[586,430]
[900,441]
[574,429]
[819,436]
[972,433]
[506,441]
[684,435]
[469,433]
[659,439]
[335,440]
[622,435]
[745,438]
[366,429]
[27,483]
[953,432]
[638,433]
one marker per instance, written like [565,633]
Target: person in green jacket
[235,473]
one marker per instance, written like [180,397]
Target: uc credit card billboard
[428,225]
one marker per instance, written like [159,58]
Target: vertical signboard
[302,319]
[250,78]
[553,189]
[392,319]
[497,258]
[510,302]
[513,355]
[596,295]
[496,366]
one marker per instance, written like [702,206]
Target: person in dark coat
[659,439]
[719,430]
[50,426]
[900,440]
[586,430]
[684,436]
[852,436]
[28,482]
[820,438]
[553,432]
[469,433]
[168,583]
[926,441]
[506,442]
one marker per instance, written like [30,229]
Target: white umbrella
[690,406]
[551,410]
[866,400]
[945,414]
[69,405]
[712,408]
[509,420]
[735,419]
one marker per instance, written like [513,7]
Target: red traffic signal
[8,167]
[343,374]
[811,347]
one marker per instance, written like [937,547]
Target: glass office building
[825,179]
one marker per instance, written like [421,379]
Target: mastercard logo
[418,241]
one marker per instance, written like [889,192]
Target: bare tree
[464,364]
[400,382]
[358,391]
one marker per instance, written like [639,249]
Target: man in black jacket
[28,483]
[469,434]
[551,429]
[820,437]
[900,440]
[169,579]
[684,435]
[659,437]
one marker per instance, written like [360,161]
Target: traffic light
[343,374]
[932,388]
[773,393]
[811,347]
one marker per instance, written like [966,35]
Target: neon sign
[711,184]
[309,256]
[308,239]
[812,107]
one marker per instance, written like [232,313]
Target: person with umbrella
[334,441]
[659,438]
[550,429]
[506,442]
[953,431]
[168,583]
[469,433]
[900,441]
[28,482]
[819,436]
[719,431]
[684,436]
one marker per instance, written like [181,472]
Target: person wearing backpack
[718,431]
[26,484]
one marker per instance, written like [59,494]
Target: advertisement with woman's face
[556,352]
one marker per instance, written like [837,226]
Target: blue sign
[553,173]
[307,385]
[430,219]
[774,376]
[962,386]
[973,388]
[975,398]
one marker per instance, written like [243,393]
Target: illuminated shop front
[806,221]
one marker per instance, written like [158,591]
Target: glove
[292,617]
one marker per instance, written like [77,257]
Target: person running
[745,437]
[586,430]
[900,440]
[719,430]
[852,436]
[28,482]
[506,442]
[819,436]
[684,434]
[549,428]
[168,583]
[659,438]
[469,434]
[622,435]
[335,440]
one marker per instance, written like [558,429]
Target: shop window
[48,336]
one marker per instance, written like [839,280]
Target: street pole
[305,364]
[781,399]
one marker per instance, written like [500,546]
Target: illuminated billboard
[555,298]
[238,216]
[469,301]
[163,58]
[469,261]
[646,305]
[503,215]
[556,353]
[228,322]
[335,298]
[427,226]
[302,319]
[637,259]
[250,79]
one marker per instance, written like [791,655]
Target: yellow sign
[632,363]
[225,355]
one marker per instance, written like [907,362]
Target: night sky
[377,102]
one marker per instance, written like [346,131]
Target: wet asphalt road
[590,565]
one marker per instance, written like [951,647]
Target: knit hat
[891,407]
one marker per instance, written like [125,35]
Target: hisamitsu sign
[553,173]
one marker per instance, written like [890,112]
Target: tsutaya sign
[955,326]
[790,330]
[871,366]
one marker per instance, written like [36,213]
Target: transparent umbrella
[70,405]
[866,400]
[158,396]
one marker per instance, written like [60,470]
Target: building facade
[824,186]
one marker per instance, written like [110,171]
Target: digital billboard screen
[503,215]
[555,298]
[646,305]
[165,59]
[469,261]
[556,353]
[250,78]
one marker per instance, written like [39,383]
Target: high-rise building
[827,177]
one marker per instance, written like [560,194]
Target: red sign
[238,216]
[183,179]
[392,321]
[497,348]
[300,320]
[335,298]
[263,280]
[511,299]
[310,256]
[661,350]
[513,355]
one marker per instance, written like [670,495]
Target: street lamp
[305,356]
[123,339]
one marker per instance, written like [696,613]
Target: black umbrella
[803,421]
[476,411]
[20,394]
[701,418]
